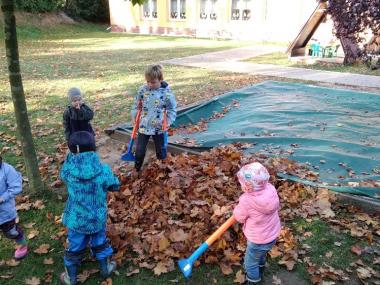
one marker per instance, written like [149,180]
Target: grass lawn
[109,69]
[280,58]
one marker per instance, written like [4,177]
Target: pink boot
[21,252]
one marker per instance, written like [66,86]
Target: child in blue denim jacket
[156,100]
[10,186]
[85,215]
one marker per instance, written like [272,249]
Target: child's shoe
[69,277]
[21,252]
[251,282]
[107,267]
[262,268]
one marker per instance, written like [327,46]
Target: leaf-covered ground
[109,68]
[176,205]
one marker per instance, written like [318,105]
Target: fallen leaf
[48,261]
[276,280]
[226,268]
[239,277]
[163,243]
[363,273]
[288,263]
[134,271]
[42,249]
[38,204]
[275,252]
[12,262]
[108,281]
[160,268]
[33,233]
[86,274]
[33,281]
[178,235]
[6,276]
[356,249]
[48,278]
[29,225]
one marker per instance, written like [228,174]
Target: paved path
[230,60]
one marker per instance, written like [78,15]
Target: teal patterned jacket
[154,102]
[87,181]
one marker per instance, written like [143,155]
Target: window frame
[210,15]
[178,16]
[241,12]
[150,5]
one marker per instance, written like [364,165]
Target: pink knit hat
[253,177]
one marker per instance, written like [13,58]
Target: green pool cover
[335,131]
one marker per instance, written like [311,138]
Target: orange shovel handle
[220,231]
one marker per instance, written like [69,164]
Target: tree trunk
[18,98]
[351,50]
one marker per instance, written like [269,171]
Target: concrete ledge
[368,205]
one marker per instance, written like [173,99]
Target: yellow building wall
[271,20]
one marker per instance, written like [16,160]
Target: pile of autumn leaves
[173,208]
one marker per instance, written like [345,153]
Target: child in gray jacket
[10,186]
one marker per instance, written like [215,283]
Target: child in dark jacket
[156,101]
[77,115]
[10,186]
[85,215]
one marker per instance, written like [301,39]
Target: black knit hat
[82,141]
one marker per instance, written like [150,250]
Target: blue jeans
[255,256]
[78,243]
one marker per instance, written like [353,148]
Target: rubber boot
[69,277]
[106,267]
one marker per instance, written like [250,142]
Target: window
[178,9]
[150,9]
[240,10]
[208,10]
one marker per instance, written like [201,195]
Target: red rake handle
[165,122]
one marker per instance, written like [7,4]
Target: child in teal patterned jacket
[155,100]
[85,215]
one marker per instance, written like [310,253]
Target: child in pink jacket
[258,211]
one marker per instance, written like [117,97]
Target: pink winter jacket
[258,211]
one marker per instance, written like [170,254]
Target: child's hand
[76,104]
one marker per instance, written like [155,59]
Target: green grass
[325,237]
[279,58]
